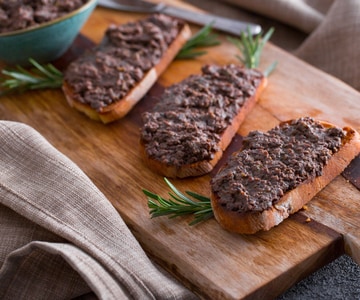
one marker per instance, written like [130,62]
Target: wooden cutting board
[210,261]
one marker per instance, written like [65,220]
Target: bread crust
[204,167]
[120,108]
[294,200]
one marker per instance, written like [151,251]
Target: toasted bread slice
[195,120]
[121,92]
[248,221]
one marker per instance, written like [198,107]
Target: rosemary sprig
[38,77]
[251,48]
[203,38]
[179,205]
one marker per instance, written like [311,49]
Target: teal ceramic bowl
[45,42]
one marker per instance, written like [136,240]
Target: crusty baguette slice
[120,107]
[292,201]
[204,166]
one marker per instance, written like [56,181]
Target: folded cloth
[60,238]
[333,28]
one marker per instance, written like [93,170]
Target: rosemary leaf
[20,77]
[203,38]
[37,77]
[197,196]
[190,53]
[270,68]
[179,205]
[54,70]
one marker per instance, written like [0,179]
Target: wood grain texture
[212,262]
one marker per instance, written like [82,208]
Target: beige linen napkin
[333,27]
[60,238]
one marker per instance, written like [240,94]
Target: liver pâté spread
[186,124]
[21,14]
[107,73]
[273,163]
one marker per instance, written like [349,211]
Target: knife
[231,26]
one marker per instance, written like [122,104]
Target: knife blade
[227,25]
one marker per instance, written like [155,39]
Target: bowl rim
[52,22]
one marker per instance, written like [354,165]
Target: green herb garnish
[180,205]
[38,77]
[251,48]
[270,68]
[203,38]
